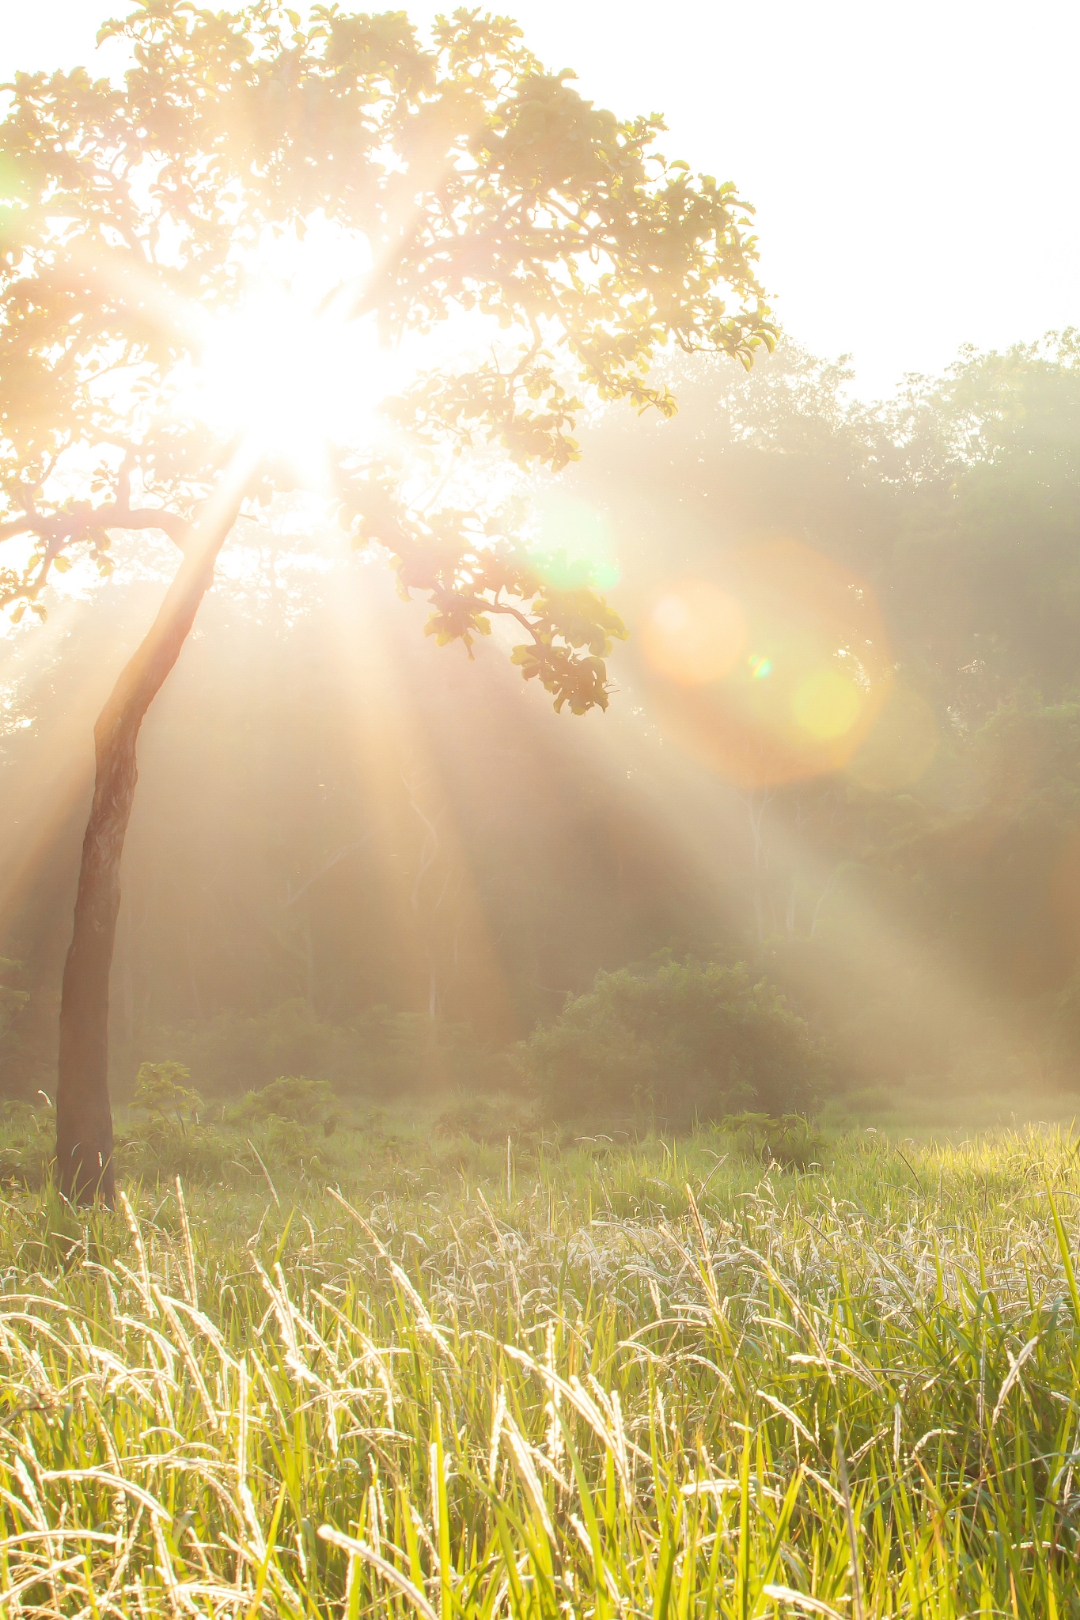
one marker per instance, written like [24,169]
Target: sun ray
[704,820]
[413,821]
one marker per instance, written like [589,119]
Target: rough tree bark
[84,1130]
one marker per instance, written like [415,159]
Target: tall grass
[642,1381]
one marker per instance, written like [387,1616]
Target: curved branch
[516,613]
[479,604]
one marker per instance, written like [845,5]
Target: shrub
[233,1053]
[671,1043]
[381,1055]
[161,1148]
[290,1097]
[21,1065]
[788,1141]
[159,1089]
[26,1153]
[486,1119]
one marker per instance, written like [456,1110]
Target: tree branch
[177,529]
[516,613]
[64,527]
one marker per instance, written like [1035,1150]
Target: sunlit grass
[599,1380]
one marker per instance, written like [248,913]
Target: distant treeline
[362,858]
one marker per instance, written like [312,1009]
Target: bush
[233,1053]
[381,1055]
[290,1097]
[486,1119]
[26,1154]
[23,1066]
[671,1043]
[159,1089]
[161,1148]
[788,1141]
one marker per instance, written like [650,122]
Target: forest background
[378,864]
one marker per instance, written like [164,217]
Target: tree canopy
[453,179]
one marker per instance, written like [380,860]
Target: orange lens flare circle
[774,669]
[695,633]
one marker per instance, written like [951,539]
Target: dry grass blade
[801,1600]
[360,1549]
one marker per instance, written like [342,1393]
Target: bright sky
[913,165]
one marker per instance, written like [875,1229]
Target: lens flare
[827,704]
[573,544]
[695,633]
[774,669]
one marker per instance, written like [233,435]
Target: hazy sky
[914,166]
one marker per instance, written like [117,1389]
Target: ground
[411,1374]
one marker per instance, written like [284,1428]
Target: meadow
[428,1376]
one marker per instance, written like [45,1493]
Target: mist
[361,858]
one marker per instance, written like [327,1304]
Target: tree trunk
[84,1132]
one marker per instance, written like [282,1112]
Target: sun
[290,369]
[292,380]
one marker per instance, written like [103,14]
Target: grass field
[613,1380]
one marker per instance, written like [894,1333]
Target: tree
[457,186]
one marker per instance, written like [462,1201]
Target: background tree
[458,179]
[670,1043]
